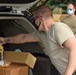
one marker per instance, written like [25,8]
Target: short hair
[44,10]
[72,4]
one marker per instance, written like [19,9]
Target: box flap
[20,57]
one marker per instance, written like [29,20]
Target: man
[57,38]
[70,20]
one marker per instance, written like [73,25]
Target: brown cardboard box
[15,69]
[56,17]
[20,57]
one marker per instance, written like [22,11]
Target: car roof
[17,2]
[19,5]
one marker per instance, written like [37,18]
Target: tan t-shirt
[52,40]
[71,22]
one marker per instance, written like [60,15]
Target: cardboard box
[15,69]
[56,17]
[20,57]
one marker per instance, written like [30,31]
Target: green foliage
[59,4]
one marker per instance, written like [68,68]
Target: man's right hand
[2,41]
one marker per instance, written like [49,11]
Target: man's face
[38,21]
[33,18]
[70,9]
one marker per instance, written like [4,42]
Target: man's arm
[2,41]
[20,38]
[71,45]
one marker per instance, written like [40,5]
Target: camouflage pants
[74,73]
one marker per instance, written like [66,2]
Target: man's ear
[40,17]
